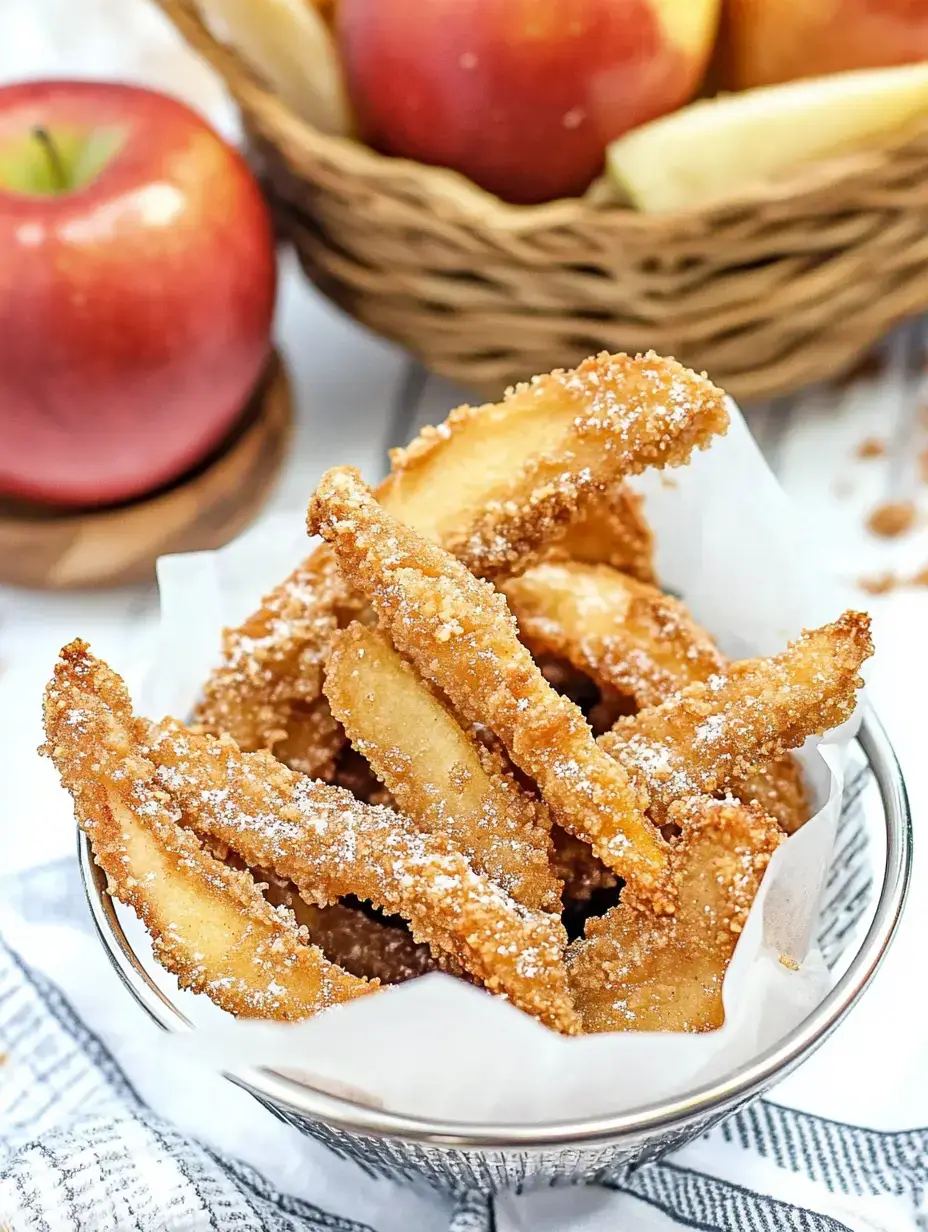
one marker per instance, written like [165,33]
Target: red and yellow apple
[137,280]
[770,41]
[521,96]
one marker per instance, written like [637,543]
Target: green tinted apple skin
[136,298]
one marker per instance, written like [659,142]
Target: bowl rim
[710,1101]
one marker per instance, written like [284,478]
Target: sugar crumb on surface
[870,447]
[892,518]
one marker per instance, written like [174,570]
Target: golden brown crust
[460,634]
[530,464]
[612,530]
[711,733]
[533,462]
[582,873]
[267,692]
[210,924]
[636,971]
[331,845]
[631,638]
[780,789]
[365,947]
[439,775]
[623,633]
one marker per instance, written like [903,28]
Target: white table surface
[352,391]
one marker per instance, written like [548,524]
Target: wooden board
[67,549]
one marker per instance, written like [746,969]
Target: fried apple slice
[210,925]
[611,531]
[708,734]
[496,485]
[331,845]
[637,971]
[369,948]
[779,788]
[461,635]
[439,775]
[623,633]
[267,692]
[630,637]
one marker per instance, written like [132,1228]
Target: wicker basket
[788,284]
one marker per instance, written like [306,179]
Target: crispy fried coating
[623,633]
[331,845]
[210,924]
[354,773]
[631,638]
[267,691]
[612,530]
[369,948]
[461,635]
[779,788]
[710,733]
[575,864]
[637,971]
[439,775]
[495,485]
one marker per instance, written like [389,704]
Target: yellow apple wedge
[710,149]
[288,44]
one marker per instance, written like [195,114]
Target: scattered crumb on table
[789,962]
[892,519]
[883,583]
[871,447]
[879,583]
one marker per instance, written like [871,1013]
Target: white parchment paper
[436,1047]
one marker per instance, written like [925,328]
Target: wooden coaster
[68,549]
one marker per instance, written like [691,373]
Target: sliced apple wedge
[715,146]
[289,45]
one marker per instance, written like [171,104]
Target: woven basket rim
[441,184]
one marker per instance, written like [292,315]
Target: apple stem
[53,154]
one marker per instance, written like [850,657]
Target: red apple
[137,280]
[522,96]
[769,41]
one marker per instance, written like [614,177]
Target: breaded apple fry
[621,632]
[331,845]
[612,530]
[439,775]
[525,468]
[636,971]
[267,691]
[633,638]
[496,485]
[210,925]
[461,635]
[708,734]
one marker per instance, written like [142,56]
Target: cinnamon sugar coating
[630,637]
[267,691]
[369,948]
[623,633]
[210,925]
[637,971]
[530,465]
[461,635]
[709,734]
[438,774]
[331,845]
[612,530]
[496,485]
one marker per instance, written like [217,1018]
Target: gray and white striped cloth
[101,1132]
